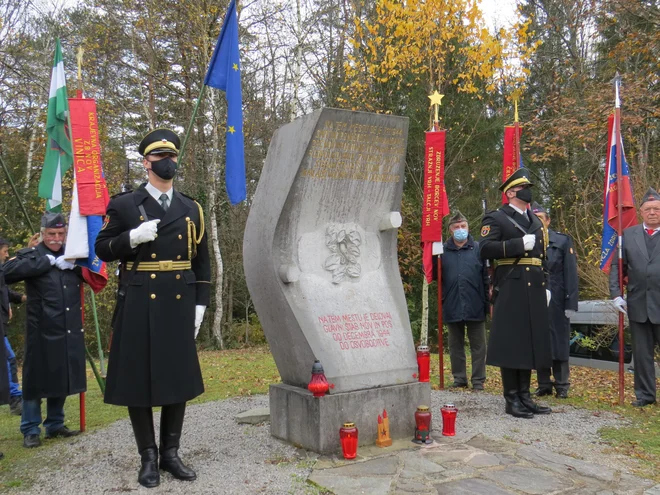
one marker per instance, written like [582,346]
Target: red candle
[348,436]
[449,412]
[424,362]
[318,385]
[422,425]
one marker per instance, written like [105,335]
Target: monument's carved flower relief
[344,247]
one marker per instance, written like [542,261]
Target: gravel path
[240,459]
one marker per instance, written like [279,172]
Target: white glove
[51,258]
[199,317]
[146,232]
[529,240]
[64,264]
[568,313]
[621,304]
[548,296]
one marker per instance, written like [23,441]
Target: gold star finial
[436,101]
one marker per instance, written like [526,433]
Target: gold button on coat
[178,276]
[178,296]
[178,257]
[153,255]
[153,296]
[529,284]
[180,236]
[153,275]
[527,269]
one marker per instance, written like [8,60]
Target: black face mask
[524,195]
[165,168]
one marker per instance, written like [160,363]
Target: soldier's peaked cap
[537,208]
[52,220]
[651,195]
[160,141]
[457,217]
[519,178]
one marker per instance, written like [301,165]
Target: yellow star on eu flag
[231,129]
[235,66]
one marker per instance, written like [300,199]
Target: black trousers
[645,336]
[561,372]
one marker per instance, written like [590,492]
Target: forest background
[144,61]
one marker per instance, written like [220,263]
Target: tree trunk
[33,139]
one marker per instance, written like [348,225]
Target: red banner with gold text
[92,188]
[435,205]
[511,145]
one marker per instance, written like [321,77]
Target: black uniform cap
[457,217]
[651,195]
[52,220]
[519,178]
[537,208]
[160,141]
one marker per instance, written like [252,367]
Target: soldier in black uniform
[159,236]
[519,341]
[563,283]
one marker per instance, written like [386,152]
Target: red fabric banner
[92,188]
[435,205]
[511,144]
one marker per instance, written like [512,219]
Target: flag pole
[182,151]
[18,197]
[516,125]
[619,224]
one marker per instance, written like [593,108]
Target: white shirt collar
[155,193]
[647,228]
[518,209]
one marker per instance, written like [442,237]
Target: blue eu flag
[224,73]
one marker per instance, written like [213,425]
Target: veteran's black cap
[651,195]
[537,208]
[160,141]
[457,217]
[52,220]
[519,178]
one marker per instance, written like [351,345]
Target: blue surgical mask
[460,235]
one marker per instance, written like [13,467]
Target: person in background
[641,264]
[8,297]
[54,363]
[464,302]
[563,284]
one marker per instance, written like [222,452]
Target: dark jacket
[54,363]
[4,372]
[563,283]
[464,282]
[643,271]
[7,297]
[519,334]
[153,356]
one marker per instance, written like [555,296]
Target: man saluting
[515,239]
[158,234]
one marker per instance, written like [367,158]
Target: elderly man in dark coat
[641,264]
[515,239]
[54,363]
[563,283]
[159,236]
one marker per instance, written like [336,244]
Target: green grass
[226,374]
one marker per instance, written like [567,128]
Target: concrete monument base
[297,417]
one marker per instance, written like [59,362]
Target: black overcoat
[153,358]
[519,334]
[563,282]
[54,361]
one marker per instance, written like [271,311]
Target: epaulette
[120,194]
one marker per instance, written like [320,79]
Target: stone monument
[320,260]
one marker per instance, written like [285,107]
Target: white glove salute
[621,304]
[64,264]
[569,312]
[548,296]
[146,232]
[51,258]
[529,240]
[199,317]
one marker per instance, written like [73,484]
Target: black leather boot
[171,423]
[143,428]
[510,386]
[524,379]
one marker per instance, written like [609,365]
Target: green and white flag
[59,152]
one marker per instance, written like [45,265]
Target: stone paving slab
[472,465]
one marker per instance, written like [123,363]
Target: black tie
[163,201]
